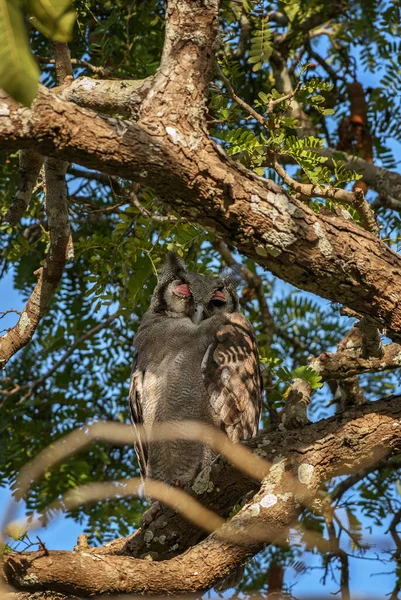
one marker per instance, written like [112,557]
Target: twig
[355,199]
[34,384]
[76,63]
[103,178]
[352,536]
[349,482]
[272,103]
[133,198]
[236,98]
[72,348]
[87,205]
[316,56]
[10,310]
[338,552]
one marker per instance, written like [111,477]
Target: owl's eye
[183,290]
[219,298]
[219,295]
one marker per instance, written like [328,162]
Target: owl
[196,359]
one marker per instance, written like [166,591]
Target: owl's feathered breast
[209,373]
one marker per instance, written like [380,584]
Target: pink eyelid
[183,290]
[219,295]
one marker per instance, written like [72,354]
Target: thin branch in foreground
[273,509]
[120,434]
[173,497]
[355,199]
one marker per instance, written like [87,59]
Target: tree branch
[170,151]
[61,250]
[121,97]
[30,163]
[384,182]
[311,455]
[213,192]
[348,363]
[355,199]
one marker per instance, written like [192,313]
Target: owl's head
[181,293]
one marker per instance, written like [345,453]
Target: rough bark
[347,363]
[117,97]
[319,253]
[302,461]
[30,163]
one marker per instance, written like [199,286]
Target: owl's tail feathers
[231,581]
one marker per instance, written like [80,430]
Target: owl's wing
[135,405]
[231,373]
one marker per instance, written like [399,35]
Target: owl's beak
[198,315]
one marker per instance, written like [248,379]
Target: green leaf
[309,375]
[19,73]
[54,18]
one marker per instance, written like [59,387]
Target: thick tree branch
[169,150]
[348,264]
[312,455]
[348,363]
[121,97]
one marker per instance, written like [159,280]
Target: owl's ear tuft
[173,267]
